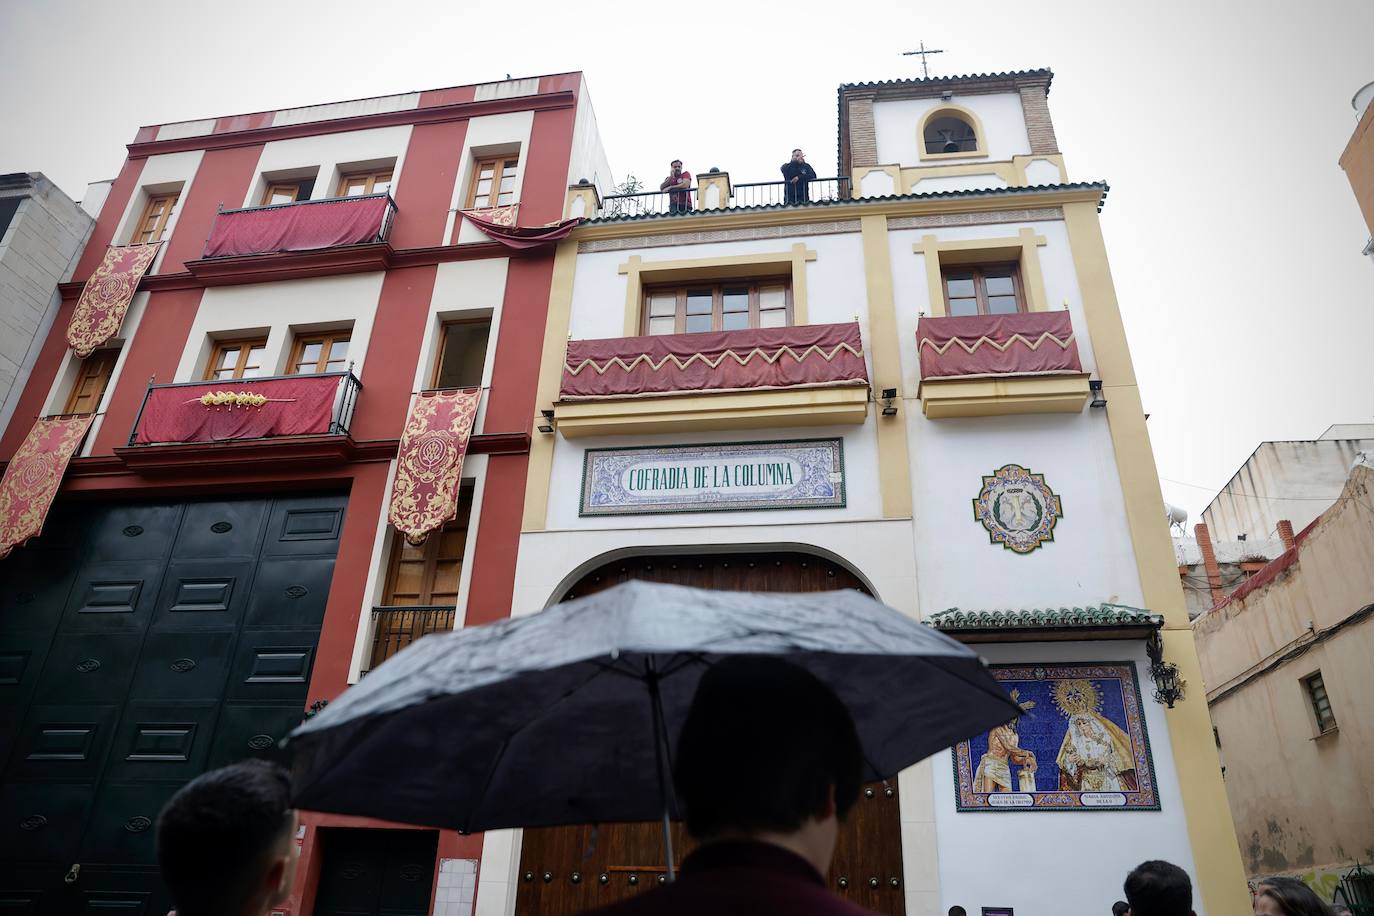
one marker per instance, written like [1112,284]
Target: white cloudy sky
[1234,238]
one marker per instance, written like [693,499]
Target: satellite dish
[1178,518]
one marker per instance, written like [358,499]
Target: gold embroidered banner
[106,296]
[429,465]
[33,476]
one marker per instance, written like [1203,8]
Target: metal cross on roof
[923,53]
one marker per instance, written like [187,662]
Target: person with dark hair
[678,184]
[1120,908]
[797,174]
[1282,896]
[1158,888]
[226,841]
[767,765]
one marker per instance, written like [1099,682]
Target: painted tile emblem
[1017,508]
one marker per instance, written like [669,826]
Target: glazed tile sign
[795,474]
[1079,744]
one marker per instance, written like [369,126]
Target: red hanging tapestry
[429,465]
[106,296]
[33,476]
[499,223]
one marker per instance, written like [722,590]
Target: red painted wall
[546,169]
[426,187]
[392,351]
[120,192]
[221,181]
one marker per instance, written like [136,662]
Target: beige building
[1287,663]
[1358,159]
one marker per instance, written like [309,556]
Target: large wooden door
[139,646]
[567,870]
[376,872]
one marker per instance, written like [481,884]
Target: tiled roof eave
[1105,616]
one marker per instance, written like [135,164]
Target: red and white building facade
[204,576]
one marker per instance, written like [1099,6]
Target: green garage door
[140,645]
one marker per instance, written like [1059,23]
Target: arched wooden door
[567,870]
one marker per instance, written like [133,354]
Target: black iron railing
[394,628]
[340,420]
[752,194]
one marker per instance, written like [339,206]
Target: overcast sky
[1234,238]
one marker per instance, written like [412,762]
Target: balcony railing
[247,408]
[754,194]
[1027,343]
[306,225]
[805,356]
[394,628]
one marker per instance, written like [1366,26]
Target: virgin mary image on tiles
[1079,744]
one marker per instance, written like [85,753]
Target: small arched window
[949,133]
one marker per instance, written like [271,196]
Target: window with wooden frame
[493,182]
[1321,703]
[313,353]
[429,574]
[233,359]
[152,225]
[983,289]
[92,378]
[288,192]
[462,353]
[731,306]
[358,184]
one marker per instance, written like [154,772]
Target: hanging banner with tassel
[429,465]
[33,476]
[106,296]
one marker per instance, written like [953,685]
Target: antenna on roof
[922,53]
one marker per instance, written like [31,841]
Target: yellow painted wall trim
[640,273]
[1019,163]
[1211,832]
[713,191]
[861,173]
[713,411]
[995,397]
[912,176]
[1023,248]
[959,111]
[894,472]
[709,221]
[550,375]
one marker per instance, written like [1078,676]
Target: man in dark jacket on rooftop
[768,764]
[798,175]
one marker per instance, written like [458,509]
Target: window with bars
[359,184]
[320,353]
[493,182]
[1321,703]
[91,381]
[233,359]
[729,306]
[983,289]
[152,224]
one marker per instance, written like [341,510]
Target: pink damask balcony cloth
[303,226]
[1031,343]
[809,356]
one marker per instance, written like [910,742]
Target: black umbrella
[569,716]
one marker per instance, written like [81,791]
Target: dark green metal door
[139,646]
[376,872]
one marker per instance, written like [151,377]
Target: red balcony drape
[33,476]
[499,223]
[1030,343]
[811,355]
[298,227]
[298,406]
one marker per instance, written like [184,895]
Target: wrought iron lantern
[1169,687]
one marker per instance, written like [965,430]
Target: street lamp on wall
[889,402]
[545,424]
[1169,687]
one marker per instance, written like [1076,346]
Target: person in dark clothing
[1120,908]
[678,184]
[1283,896]
[768,764]
[1158,888]
[798,175]
[226,841]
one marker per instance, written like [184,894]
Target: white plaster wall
[160,175]
[332,110]
[464,289]
[835,280]
[896,122]
[860,474]
[1042,171]
[1090,559]
[333,154]
[913,295]
[181,129]
[506,89]
[588,159]
[232,311]
[957,183]
[1057,863]
[508,132]
[97,192]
